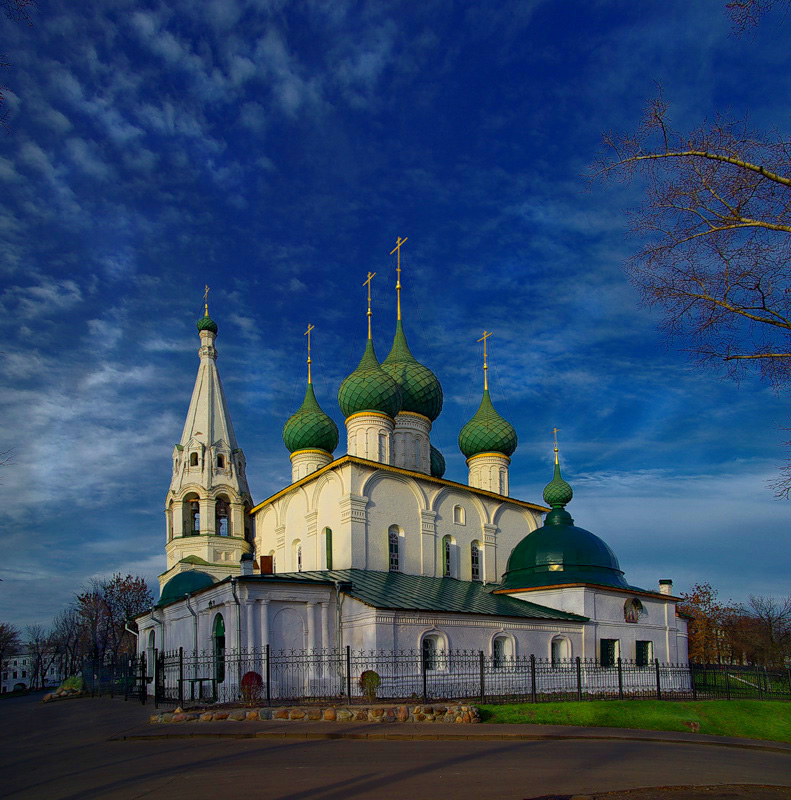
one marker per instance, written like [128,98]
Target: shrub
[369,683]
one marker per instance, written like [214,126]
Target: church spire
[208,487]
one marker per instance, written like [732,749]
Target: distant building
[18,673]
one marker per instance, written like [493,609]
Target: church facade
[375,549]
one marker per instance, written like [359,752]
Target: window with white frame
[560,649]
[296,555]
[392,548]
[475,561]
[432,649]
[447,546]
[458,515]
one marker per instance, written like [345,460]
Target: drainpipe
[195,618]
[338,618]
[161,624]
[134,633]
[238,615]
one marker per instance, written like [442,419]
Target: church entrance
[218,647]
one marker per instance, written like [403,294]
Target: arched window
[560,649]
[296,555]
[221,517]
[475,560]
[458,515]
[432,650]
[446,556]
[498,652]
[328,546]
[150,654]
[194,517]
[392,548]
[220,462]
[193,459]
[218,646]
[503,482]
[382,447]
[273,556]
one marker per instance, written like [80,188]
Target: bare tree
[39,643]
[746,14]
[715,229]
[67,640]
[10,640]
[770,632]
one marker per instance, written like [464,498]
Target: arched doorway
[218,647]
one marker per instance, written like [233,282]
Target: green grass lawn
[753,719]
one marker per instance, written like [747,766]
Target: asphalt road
[62,750]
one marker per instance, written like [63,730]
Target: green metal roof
[395,590]
[309,428]
[369,388]
[183,583]
[421,391]
[487,432]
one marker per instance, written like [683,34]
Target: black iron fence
[264,677]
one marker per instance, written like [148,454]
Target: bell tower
[207,525]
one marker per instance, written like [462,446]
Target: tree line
[757,632]
[95,625]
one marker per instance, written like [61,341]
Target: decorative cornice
[616,589]
[368,414]
[364,462]
[310,450]
[489,455]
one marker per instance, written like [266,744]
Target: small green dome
[557,492]
[184,583]
[206,323]
[487,432]
[437,463]
[309,428]
[420,389]
[369,388]
[559,552]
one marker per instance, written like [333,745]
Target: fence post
[423,670]
[181,676]
[268,677]
[692,680]
[579,679]
[788,670]
[532,678]
[727,685]
[349,672]
[143,686]
[480,664]
[658,682]
[758,682]
[620,679]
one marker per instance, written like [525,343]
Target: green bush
[74,682]
[369,683]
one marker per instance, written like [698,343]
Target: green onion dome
[560,553]
[557,492]
[420,389]
[369,388]
[487,432]
[184,583]
[309,428]
[206,323]
[437,463]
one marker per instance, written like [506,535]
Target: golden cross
[206,299]
[307,333]
[486,335]
[555,432]
[368,284]
[397,249]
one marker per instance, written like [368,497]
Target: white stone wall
[360,504]
[411,442]
[658,624]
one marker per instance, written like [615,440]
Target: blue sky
[275,151]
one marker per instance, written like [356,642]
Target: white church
[375,549]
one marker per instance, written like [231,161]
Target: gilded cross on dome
[397,249]
[307,333]
[368,284]
[486,335]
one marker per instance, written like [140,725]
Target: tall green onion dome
[309,428]
[487,432]
[559,553]
[420,389]
[184,583]
[437,463]
[206,323]
[369,388]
